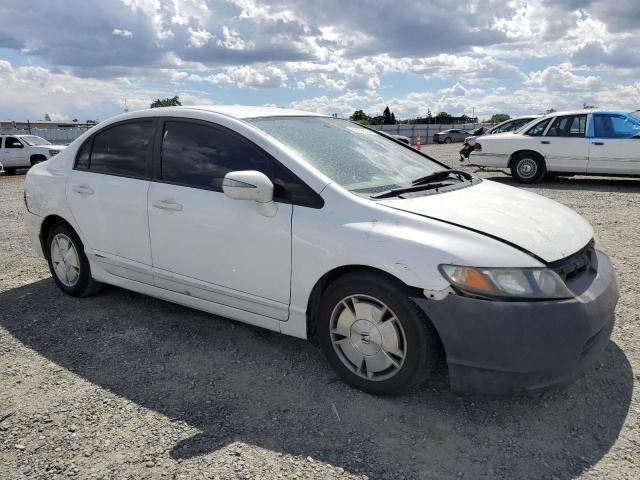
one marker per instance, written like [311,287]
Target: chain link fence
[425,131]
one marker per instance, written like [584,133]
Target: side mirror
[251,185]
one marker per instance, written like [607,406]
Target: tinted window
[11,142]
[568,126]
[615,126]
[82,160]
[289,188]
[123,149]
[200,156]
[538,128]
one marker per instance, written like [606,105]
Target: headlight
[507,283]
[53,153]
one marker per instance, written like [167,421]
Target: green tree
[551,110]
[47,118]
[387,116]
[360,117]
[443,115]
[393,118]
[499,118]
[167,102]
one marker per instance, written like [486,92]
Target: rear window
[538,129]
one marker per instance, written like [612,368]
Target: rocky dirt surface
[121,386]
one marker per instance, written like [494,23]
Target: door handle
[162,205]
[545,142]
[597,143]
[82,189]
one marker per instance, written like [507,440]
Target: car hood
[545,228]
[50,147]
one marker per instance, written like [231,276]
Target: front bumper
[496,347]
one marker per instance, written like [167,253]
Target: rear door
[107,193]
[614,147]
[565,145]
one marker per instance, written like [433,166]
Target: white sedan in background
[585,142]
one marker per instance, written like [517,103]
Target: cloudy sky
[82,59]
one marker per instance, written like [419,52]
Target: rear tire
[68,264]
[447,140]
[528,168]
[374,336]
[9,171]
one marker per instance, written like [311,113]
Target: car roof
[586,111]
[242,112]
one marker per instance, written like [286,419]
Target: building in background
[55,132]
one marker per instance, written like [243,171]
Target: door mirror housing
[251,185]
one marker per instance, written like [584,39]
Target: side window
[122,150]
[200,156]
[84,153]
[518,124]
[538,129]
[568,126]
[12,142]
[615,126]
[507,127]
[289,188]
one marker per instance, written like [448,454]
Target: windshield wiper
[430,181]
[394,192]
[441,175]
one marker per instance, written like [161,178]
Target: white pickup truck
[584,142]
[24,151]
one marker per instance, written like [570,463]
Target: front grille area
[573,265]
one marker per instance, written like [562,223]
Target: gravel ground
[124,386]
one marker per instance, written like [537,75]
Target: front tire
[36,159]
[447,140]
[528,169]
[67,262]
[374,336]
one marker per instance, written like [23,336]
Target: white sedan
[585,142]
[320,228]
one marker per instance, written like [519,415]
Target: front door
[615,147]
[205,244]
[15,153]
[107,193]
[564,144]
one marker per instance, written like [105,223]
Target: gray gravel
[124,386]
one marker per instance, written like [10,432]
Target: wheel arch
[330,277]
[37,156]
[519,153]
[46,225]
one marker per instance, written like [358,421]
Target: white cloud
[122,33]
[266,76]
[558,78]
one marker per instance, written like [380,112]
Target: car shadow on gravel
[239,383]
[600,184]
